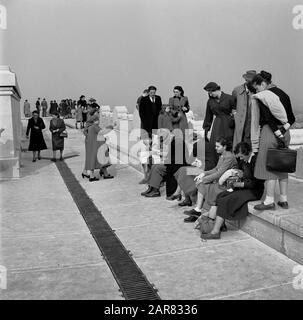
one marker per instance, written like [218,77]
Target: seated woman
[207,182]
[232,205]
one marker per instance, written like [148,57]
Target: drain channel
[132,282]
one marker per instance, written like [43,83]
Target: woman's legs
[39,156]
[34,155]
[283,184]
[199,203]
[61,154]
[218,224]
[178,191]
[270,192]
[54,154]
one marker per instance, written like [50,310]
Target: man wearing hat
[242,97]
[218,117]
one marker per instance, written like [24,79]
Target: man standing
[149,109]
[38,106]
[27,109]
[242,115]
[144,94]
[44,107]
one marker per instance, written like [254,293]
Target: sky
[113,49]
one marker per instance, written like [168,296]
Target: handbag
[63,134]
[281,159]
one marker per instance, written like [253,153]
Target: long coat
[218,116]
[92,153]
[149,113]
[36,141]
[57,141]
[178,116]
[243,114]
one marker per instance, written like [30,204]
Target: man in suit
[149,109]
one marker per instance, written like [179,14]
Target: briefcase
[281,160]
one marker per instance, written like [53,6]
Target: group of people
[96,149]
[221,173]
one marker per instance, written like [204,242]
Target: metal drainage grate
[131,280]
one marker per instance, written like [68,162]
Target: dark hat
[249,74]
[92,100]
[212,86]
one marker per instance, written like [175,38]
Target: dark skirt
[57,141]
[210,192]
[36,141]
[268,140]
[233,205]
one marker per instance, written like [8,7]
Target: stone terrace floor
[50,253]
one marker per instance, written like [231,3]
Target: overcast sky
[113,49]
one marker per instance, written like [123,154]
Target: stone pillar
[10,125]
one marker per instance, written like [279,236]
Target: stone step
[280,229]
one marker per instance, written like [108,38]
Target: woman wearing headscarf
[179,106]
[274,118]
[92,144]
[56,127]
[36,143]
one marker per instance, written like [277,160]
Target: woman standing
[178,107]
[79,117]
[92,145]
[56,127]
[273,119]
[36,143]
[219,117]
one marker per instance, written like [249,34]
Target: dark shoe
[185,203]
[61,159]
[93,179]
[108,176]
[190,219]
[192,212]
[84,175]
[53,159]
[34,160]
[283,204]
[154,193]
[223,227]
[209,236]
[263,206]
[147,191]
[174,197]
[39,157]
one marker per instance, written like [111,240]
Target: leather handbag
[63,134]
[281,159]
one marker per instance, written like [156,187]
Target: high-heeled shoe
[174,197]
[108,176]
[84,175]
[93,179]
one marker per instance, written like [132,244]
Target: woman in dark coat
[56,127]
[232,205]
[36,143]
[219,116]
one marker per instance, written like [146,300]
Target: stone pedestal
[10,125]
